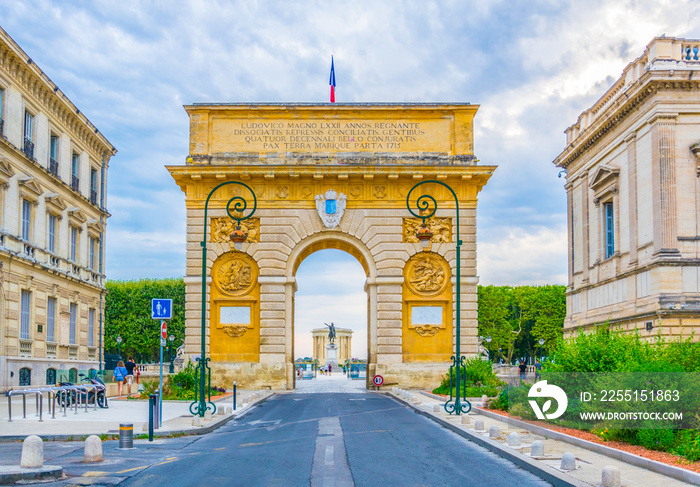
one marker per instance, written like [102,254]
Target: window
[91,327]
[73,243]
[609,230]
[53,155]
[51,320]
[92,243]
[50,377]
[52,233]
[28,134]
[24,314]
[25,376]
[93,186]
[73,318]
[26,219]
[75,181]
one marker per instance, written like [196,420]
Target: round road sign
[164,330]
[378,380]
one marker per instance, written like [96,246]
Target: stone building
[632,164]
[343,341]
[329,176]
[53,170]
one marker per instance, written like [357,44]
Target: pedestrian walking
[538,369]
[523,370]
[130,365]
[330,369]
[119,376]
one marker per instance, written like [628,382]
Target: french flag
[332,81]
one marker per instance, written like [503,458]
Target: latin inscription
[330,136]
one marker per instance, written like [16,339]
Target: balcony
[51,350]
[75,183]
[54,261]
[28,148]
[29,250]
[25,348]
[53,166]
[2,125]
[93,197]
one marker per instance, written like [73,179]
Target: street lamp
[541,343]
[423,203]
[238,236]
[488,347]
[171,370]
[119,347]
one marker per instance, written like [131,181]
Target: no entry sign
[164,330]
[378,380]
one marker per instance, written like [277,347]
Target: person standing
[538,369]
[523,370]
[119,376]
[330,369]
[130,366]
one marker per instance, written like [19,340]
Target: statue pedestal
[332,355]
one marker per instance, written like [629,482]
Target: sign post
[163,334]
[161,309]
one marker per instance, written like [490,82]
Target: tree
[497,319]
[128,314]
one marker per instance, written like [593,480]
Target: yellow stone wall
[287,227]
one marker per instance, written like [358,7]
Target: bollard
[513,440]
[479,425]
[156,411]
[9,406]
[32,452]
[151,407]
[126,436]
[465,419]
[494,431]
[24,406]
[611,476]
[93,447]
[537,449]
[437,408]
[568,462]
[234,395]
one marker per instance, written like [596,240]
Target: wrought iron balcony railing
[28,148]
[2,125]
[53,166]
[93,196]
[75,183]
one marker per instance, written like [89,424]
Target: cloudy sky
[533,66]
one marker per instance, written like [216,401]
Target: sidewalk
[176,417]
[590,459]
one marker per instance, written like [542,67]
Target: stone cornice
[617,112]
[34,81]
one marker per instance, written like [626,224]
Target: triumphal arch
[329,176]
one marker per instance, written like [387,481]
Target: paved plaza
[335,382]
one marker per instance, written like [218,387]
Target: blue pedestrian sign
[162,309]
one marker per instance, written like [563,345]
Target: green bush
[655,439]
[480,380]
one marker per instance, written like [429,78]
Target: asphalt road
[324,440]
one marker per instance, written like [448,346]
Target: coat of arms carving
[331,207]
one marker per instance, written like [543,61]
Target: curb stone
[215,424]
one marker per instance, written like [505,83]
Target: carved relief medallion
[235,275]
[426,274]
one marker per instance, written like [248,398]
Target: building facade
[53,172]
[632,164]
[320,176]
[343,342]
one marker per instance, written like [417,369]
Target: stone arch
[331,240]
[353,246]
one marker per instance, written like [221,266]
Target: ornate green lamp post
[119,347]
[454,405]
[199,406]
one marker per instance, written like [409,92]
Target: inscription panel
[323,135]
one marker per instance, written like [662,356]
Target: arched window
[25,376]
[50,377]
[73,376]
